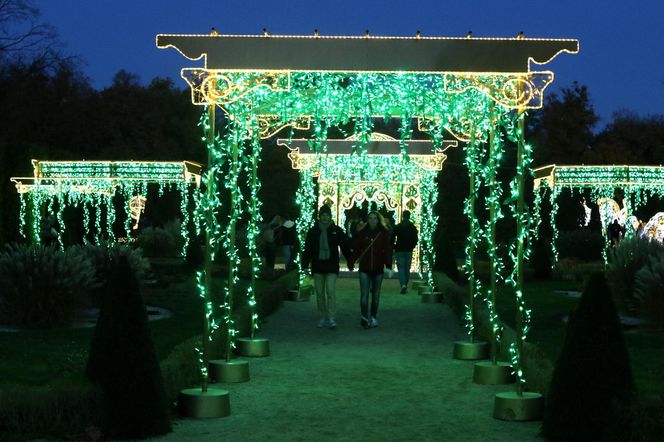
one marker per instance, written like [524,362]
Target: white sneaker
[373,323]
[322,323]
[331,323]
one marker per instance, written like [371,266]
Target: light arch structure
[93,185]
[639,184]
[382,176]
[477,89]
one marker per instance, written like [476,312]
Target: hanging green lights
[639,183]
[378,77]
[92,185]
[519,249]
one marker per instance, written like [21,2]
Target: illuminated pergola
[382,177]
[477,89]
[639,184]
[93,185]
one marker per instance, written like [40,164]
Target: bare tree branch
[22,36]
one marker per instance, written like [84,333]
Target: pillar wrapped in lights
[493,372]
[519,405]
[203,402]
[323,82]
[472,349]
[252,345]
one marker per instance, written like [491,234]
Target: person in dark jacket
[321,250]
[404,240]
[373,247]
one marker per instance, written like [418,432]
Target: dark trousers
[370,282]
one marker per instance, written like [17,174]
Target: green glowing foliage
[639,184]
[93,185]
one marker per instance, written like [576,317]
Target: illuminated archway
[94,185]
[640,183]
[475,88]
[382,176]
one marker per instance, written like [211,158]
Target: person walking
[268,237]
[404,240]
[288,242]
[321,250]
[374,253]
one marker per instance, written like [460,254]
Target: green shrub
[455,295]
[56,410]
[541,258]
[42,286]
[592,381]
[161,241]
[625,260]
[195,255]
[104,255]
[649,291]
[446,258]
[101,256]
[583,244]
[123,361]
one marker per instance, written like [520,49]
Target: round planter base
[415,285]
[487,373]
[233,371]
[512,407]
[193,402]
[300,295]
[471,351]
[432,297]
[255,348]
[424,289]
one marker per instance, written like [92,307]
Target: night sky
[621,59]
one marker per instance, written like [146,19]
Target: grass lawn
[44,357]
[548,330]
[40,357]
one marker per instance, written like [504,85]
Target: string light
[60,184]
[640,183]
[465,104]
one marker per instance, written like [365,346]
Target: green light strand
[305,199]
[472,159]
[520,250]
[183,189]
[254,185]
[489,173]
[22,214]
[429,221]
[234,145]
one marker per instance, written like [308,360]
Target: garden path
[395,382]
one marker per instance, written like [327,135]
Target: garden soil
[394,382]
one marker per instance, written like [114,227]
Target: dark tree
[123,361]
[22,36]
[592,382]
[562,131]
[629,139]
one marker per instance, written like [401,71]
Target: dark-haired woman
[373,248]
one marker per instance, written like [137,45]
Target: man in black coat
[321,250]
[404,240]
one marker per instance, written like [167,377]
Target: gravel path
[395,382]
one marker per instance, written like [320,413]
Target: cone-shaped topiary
[445,259]
[592,380]
[542,258]
[123,361]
